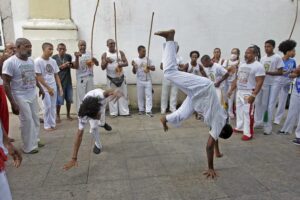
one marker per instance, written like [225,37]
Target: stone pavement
[141,162]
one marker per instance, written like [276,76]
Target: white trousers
[5,193]
[168,92]
[119,107]
[184,112]
[49,104]
[293,115]
[230,101]
[283,95]
[94,130]
[29,123]
[244,113]
[83,86]
[266,102]
[144,94]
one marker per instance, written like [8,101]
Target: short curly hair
[90,107]
[287,45]
[196,52]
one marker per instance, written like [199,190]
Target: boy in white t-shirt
[142,67]
[201,97]
[91,109]
[216,73]
[47,74]
[266,99]
[250,78]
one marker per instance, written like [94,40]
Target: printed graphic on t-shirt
[243,75]
[49,69]
[28,76]
[267,65]
[212,76]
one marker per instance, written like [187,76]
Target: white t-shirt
[84,70]
[99,93]
[141,65]
[194,69]
[233,66]
[47,68]
[247,74]
[215,73]
[272,64]
[22,74]
[111,67]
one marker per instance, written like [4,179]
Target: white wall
[200,25]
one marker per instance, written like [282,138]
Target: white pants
[49,104]
[293,115]
[168,90]
[83,86]
[144,94]
[283,95]
[29,123]
[5,193]
[230,101]
[266,102]
[220,95]
[119,107]
[244,113]
[94,130]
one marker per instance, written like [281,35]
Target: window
[1,36]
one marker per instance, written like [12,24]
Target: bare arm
[259,82]
[95,61]
[134,66]
[161,66]
[58,82]
[279,72]
[6,83]
[76,62]
[124,60]
[77,143]
[104,61]
[210,173]
[233,87]
[41,90]
[202,71]
[224,77]
[42,81]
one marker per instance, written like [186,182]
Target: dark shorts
[68,95]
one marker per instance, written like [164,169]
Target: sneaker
[246,138]
[96,150]
[129,115]
[286,133]
[114,116]
[296,141]
[280,132]
[141,113]
[107,127]
[34,151]
[40,144]
[149,114]
[258,126]
[266,133]
[276,123]
[235,130]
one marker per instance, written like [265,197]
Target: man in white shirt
[250,78]
[267,97]
[47,74]
[201,97]
[142,67]
[20,83]
[216,73]
[113,62]
[168,90]
[91,109]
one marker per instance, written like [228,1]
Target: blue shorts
[68,95]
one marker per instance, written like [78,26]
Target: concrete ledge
[49,24]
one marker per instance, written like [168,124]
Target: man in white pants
[47,74]
[287,47]
[168,90]
[267,97]
[113,62]
[5,193]
[20,86]
[91,109]
[142,67]
[250,78]
[201,96]
[294,109]
[216,73]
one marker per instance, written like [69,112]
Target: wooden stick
[116,41]
[149,41]
[93,26]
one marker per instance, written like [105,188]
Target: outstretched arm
[210,173]
[77,143]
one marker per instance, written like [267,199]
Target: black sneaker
[96,150]
[106,127]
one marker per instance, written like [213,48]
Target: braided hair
[256,51]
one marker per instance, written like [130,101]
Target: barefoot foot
[163,120]
[169,35]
